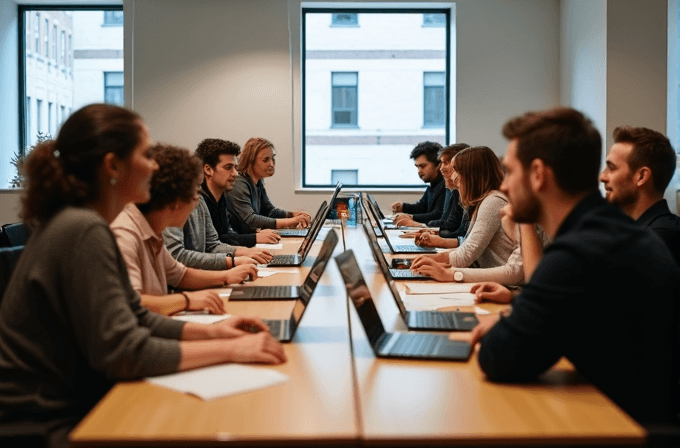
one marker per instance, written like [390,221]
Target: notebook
[394,345]
[304,232]
[397,248]
[239,292]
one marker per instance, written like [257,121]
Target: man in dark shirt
[639,167]
[431,205]
[219,169]
[604,293]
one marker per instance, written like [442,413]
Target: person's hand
[267,236]
[404,220]
[491,291]
[260,347]
[305,216]
[241,273]
[438,271]
[429,240]
[298,222]
[205,300]
[397,207]
[261,256]
[242,261]
[485,324]
[237,326]
[442,257]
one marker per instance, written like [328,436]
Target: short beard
[529,213]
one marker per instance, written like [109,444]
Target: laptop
[239,292]
[396,248]
[387,222]
[428,320]
[379,257]
[304,232]
[298,258]
[394,345]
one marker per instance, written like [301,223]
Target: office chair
[8,259]
[17,233]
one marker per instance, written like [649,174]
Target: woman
[486,244]
[138,230]
[70,322]
[248,202]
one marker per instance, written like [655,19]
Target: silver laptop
[394,345]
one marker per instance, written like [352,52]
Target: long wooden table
[341,394]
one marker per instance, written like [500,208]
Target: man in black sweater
[219,169]
[431,206]
[640,165]
[604,294]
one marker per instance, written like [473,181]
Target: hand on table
[267,236]
[260,347]
[241,273]
[205,300]
[492,292]
[436,270]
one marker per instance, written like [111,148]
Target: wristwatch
[458,276]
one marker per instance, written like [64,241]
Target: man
[431,205]
[639,167]
[219,170]
[604,293]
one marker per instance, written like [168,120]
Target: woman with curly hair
[486,244]
[138,230]
[71,324]
[248,202]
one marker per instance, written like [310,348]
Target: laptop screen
[360,295]
[319,266]
[314,230]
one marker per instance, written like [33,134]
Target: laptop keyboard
[293,232]
[434,319]
[270,291]
[414,344]
[407,248]
[283,259]
[402,274]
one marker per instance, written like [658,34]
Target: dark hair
[565,140]
[651,149]
[480,172]
[250,151]
[65,171]
[210,150]
[430,149]
[452,150]
[177,177]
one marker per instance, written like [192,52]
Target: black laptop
[394,345]
[379,257]
[304,232]
[299,257]
[240,292]
[387,222]
[395,248]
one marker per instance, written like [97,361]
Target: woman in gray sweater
[70,322]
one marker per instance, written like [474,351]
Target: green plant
[18,161]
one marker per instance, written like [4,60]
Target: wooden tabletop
[340,394]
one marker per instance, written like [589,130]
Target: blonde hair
[250,151]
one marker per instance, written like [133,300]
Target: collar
[139,220]
[437,181]
[205,191]
[593,200]
[660,208]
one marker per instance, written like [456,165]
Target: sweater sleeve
[482,230]
[241,200]
[510,274]
[432,210]
[117,335]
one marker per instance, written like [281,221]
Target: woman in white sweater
[487,253]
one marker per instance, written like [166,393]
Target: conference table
[340,394]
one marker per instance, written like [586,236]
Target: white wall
[9,94]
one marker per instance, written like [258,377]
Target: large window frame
[450,43]
[22,45]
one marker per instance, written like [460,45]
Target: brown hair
[480,172]
[565,140]
[651,149]
[210,150]
[452,150]
[178,175]
[250,151]
[65,171]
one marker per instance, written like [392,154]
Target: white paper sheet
[479,310]
[224,293]
[269,246]
[201,318]
[220,381]
[437,288]
[422,302]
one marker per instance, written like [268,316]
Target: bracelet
[186,297]
[233,260]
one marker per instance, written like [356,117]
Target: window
[90,58]
[344,99]
[344,19]
[370,94]
[113,88]
[434,101]
[113,18]
[434,19]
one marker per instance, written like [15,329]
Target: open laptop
[394,345]
[379,257]
[395,248]
[428,320]
[299,257]
[304,232]
[240,292]
[387,222]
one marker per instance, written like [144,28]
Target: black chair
[4,241]
[8,259]
[17,233]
